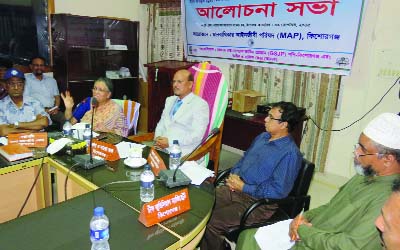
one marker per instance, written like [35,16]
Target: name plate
[164,208]
[104,150]
[155,161]
[31,140]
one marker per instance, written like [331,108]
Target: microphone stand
[91,134]
[175,178]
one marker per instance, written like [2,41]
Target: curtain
[165,41]
[314,91]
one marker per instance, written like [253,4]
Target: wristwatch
[16,124]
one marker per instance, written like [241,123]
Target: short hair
[190,77]
[290,113]
[37,57]
[396,185]
[107,82]
[387,151]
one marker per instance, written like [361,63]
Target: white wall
[371,76]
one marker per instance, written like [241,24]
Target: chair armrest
[222,175]
[142,137]
[203,150]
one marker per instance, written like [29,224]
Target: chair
[209,83]
[288,207]
[131,112]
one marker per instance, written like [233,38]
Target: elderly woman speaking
[108,115]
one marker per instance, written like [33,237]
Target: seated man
[44,89]
[388,222]
[18,113]
[347,221]
[185,116]
[268,169]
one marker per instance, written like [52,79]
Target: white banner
[313,36]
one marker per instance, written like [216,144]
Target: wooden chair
[209,83]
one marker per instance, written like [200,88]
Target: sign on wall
[317,36]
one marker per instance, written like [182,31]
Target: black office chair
[289,207]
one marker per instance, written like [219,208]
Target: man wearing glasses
[18,113]
[44,89]
[268,169]
[347,220]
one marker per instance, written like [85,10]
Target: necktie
[176,106]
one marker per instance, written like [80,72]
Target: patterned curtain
[314,91]
[165,41]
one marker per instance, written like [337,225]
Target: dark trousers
[229,207]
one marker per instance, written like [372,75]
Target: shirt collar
[278,142]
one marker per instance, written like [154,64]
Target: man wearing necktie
[185,116]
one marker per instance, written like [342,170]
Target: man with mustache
[44,89]
[388,222]
[185,116]
[347,220]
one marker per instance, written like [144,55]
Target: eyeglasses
[100,90]
[275,119]
[38,65]
[18,84]
[358,145]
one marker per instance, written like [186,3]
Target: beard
[364,171]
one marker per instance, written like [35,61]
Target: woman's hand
[67,99]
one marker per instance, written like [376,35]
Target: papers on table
[124,146]
[196,172]
[275,236]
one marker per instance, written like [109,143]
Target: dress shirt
[269,168]
[42,90]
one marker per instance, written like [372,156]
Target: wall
[375,56]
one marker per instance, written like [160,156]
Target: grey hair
[387,151]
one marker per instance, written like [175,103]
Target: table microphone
[87,161]
[175,178]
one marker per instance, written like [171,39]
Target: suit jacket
[189,123]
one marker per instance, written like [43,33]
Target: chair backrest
[209,83]
[131,112]
[300,188]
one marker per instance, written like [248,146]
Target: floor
[229,156]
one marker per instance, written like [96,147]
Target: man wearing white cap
[347,221]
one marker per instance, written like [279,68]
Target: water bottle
[175,154]
[67,129]
[86,134]
[99,233]
[146,184]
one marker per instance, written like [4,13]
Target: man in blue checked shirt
[20,114]
[268,169]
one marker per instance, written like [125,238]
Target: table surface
[66,225]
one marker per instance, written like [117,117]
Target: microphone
[82,160]
[175,178]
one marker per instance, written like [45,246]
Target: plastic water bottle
[175,154]
[146,184]
[67,129]
[86,134]
[99,233]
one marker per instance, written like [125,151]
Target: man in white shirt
[185,116]
[44,89]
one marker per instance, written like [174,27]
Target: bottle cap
[87,125]
[98,211]
[175,142]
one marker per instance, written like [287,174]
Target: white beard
[359,169]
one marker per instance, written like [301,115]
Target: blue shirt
[43,90]
[10,113]
[81,109]
[269,168]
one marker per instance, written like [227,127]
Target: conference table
[59,210]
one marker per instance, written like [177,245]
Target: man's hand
[234,182]
[52,111]
[68,100]
[161,142]
[294,225]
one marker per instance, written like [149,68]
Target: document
[275,236]
[124,146]
[196,172]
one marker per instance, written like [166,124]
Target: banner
[313,36]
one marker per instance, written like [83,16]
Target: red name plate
[155,161]
[165,208]
[32,140]
[105,150]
